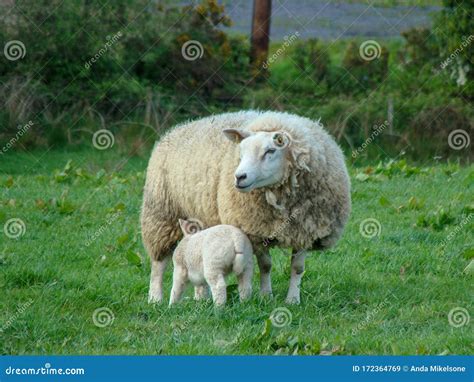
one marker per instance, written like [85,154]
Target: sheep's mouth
[243,188]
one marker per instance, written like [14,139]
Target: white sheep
[207,257]
[278,177]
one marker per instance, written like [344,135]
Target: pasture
[74,274]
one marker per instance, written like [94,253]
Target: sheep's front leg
[180,278]
[265,265]
[158,268]
[297,270]
[200,292]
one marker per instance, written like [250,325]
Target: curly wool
[191,175]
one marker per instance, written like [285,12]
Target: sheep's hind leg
[245,283]
[180,278]
[218,288]
[297,270]
[265,265]
[158,268]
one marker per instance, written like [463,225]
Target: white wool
[192,174]
[207,257]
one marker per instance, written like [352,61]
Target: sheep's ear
[236,135]
[281,139]
[301,157]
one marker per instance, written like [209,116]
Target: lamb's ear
[190,226]
[236,135]
[183,224]
[281,139]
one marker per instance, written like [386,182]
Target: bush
[369,71]
[434,123]
[115,60]
[454,28]
[311,58]
[421,48]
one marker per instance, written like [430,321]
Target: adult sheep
[279,177]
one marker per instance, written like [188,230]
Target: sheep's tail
[239,263]
[243,254]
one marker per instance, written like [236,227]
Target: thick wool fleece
[191,174]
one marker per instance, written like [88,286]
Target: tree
[260,38]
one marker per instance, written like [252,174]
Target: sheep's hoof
[293,300]
[154,299]
[266,295]
[219,307]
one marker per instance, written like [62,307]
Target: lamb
[278,177]
[206,257]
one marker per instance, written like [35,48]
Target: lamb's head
[264,158]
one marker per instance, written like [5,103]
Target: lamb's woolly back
[220,234]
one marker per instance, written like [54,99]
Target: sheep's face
[263,159]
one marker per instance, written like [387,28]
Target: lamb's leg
[218,288]
[265,266]
[158,268]
[180,278]
[297,270]
[245,282]
[200,292]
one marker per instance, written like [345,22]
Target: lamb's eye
[269,151]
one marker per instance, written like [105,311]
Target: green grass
[387,295]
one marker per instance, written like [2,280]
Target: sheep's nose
[240,177]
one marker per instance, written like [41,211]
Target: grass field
[80,250]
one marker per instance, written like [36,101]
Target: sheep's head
[263,157]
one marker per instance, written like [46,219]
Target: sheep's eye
[269,151]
